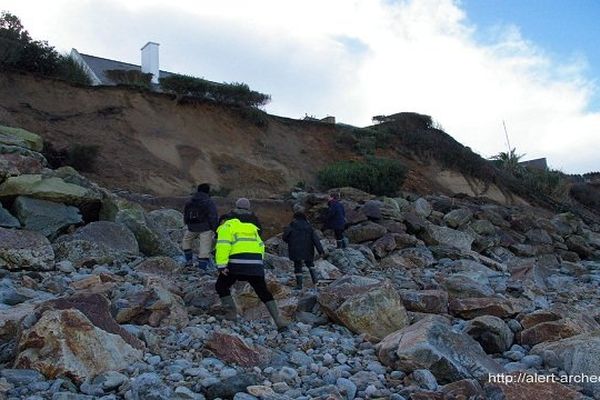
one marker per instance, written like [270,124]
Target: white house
[97,66]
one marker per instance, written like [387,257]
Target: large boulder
[546,331]
[7,220]
[491,332]
[426,301]
[48,188]
[96,308]
[350,261]
[575,355]
[364,305]
[365,232]
[167,218]
[153,305]
[232,349]
[16,161]
[442,235]
[431,344]
[102,241]
[459,217]
[414,257]
[475,307]
[21,138]
[152,238]
[46,217]
[22,249]
[65,342]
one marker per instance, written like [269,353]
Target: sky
[470,64]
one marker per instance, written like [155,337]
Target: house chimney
[150,60]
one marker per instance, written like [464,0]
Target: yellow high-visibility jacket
[239,248]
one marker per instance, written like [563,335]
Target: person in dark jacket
[243,213]
[335,219]
[201,218]
[302,241]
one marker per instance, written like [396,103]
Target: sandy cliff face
[151,144]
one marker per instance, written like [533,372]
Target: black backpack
[197,213]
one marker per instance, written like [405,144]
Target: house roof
[98,65]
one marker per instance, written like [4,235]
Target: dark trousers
[299,263]
[224,284]
[339,234]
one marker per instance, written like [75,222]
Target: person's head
[334,196]
[204,188]
[298,209]
[242,203]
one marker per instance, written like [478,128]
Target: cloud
[354,60]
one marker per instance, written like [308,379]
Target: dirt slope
[151,144]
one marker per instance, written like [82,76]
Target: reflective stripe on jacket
[239,247]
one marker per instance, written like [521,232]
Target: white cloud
[354,59]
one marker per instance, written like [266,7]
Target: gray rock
[168,219]
[300,358]
[491,332]
[575,355]
[21,377]
[441,235]
[110,380]
[7,220]
[244,396]
[347,387]
[457,218]
[45,217]
[424,379]
[431,344]
[22,249]
[365,232]
[149,386]
[71,396]
[231,386]
[422,207]
[102,240]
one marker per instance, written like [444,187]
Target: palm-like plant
[509,160]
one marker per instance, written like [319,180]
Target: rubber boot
[281,323]
[299,279]
[203,264]
[313,275]
[345,243]
[230,308]
[189,257]
[340,244]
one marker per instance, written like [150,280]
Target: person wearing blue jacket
[335,219]
[201,218]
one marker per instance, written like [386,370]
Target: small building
[538,163]
[97,67]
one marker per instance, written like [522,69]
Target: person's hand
[224,271]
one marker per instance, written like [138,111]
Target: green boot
[230,309]
[313,276]
[299,279]
[281,323]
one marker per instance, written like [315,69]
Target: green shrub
[131,77]
[235,93]
[374,175]
[70,70]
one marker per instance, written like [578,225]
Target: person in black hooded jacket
[302,241]
[200,216]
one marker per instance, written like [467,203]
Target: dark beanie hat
[204,187]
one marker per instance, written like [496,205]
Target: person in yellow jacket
[239,257]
